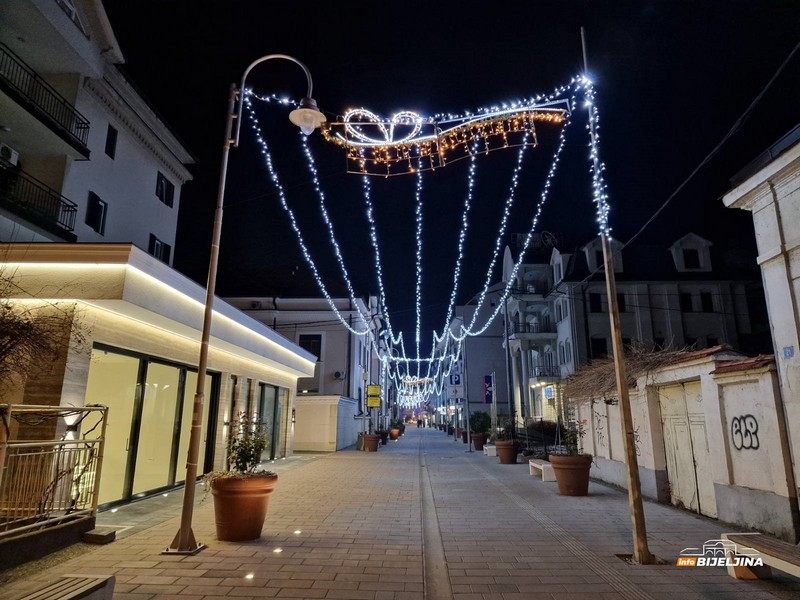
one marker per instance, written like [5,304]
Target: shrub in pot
[479,423]
[394,429]
[570,464]
[506,441]
[241,494]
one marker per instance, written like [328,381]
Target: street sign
[488,389]
[373,401]
[455,379]
[455,391]
[374,390]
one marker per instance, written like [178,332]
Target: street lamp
[308,117]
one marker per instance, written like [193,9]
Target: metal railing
[547,371]
[540,290]
[532,328]
[25,195]
[47,481]
[40,94]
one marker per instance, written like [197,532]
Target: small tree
[480,422]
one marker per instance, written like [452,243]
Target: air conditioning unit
[339,375]
[8,155]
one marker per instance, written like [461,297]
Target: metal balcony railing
[540,290]
[532,328]
[42,98]
[28,197]
[547,371]
[44,481]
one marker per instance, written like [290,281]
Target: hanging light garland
[408,143]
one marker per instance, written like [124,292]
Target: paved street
[420,519]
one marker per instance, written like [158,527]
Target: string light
[403,140]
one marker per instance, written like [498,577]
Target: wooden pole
[641,553]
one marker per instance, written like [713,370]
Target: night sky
[671,79]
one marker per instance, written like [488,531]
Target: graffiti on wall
[744,432]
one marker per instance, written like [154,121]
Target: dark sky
[671,78]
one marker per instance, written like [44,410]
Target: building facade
[132,330]
[83,157]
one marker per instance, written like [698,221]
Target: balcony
[546,372]
[29,198]
[522,330]
[38,99]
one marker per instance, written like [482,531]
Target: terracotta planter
[464,436]
[384,436]
[371,441]
[572,473]
[240,506]
[507,451]
[394,433]
[479,440]
[459,431]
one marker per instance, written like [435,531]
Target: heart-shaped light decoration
[404,118]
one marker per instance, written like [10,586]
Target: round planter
[371,441]
[240,506]
[507,451]
[450,430]
[464,436]
[572,473]
[384,436]
[479,440]
[459,431]
[394,433]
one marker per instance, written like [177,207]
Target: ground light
[308,117]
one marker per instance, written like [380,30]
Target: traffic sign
[455,379]
[455,391]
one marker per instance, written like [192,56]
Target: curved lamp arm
[307,116]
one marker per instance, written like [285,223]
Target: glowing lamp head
[307,116]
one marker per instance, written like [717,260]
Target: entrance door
[686,447]
[268,415]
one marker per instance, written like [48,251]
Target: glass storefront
[149,421]
[273,404]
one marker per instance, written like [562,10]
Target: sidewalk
[419,519]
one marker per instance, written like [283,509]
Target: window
[558,312]
[707,302]
[599,347]
[691,258]
[621,306]
[595,303]
[311,343]
[598,259]
[686,302]
[96,213]
[567,352]
[712,341]
[161,250]
[165,190]
[561,359]
[111,141]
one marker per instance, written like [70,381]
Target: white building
[770,188]
[83,157]
[675,296]
[329,401]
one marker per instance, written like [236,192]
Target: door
[686,448]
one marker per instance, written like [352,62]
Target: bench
[489,450]
[72,587]
[774,553]
[544,467]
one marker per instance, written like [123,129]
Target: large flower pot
[394,433]
[464,437]
[240,506]
[478,440]
[459,432]
[371,441]
[572,473]
[384,433]
[507,451]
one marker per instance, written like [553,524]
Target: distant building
[669,296]
[83,157]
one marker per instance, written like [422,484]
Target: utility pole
[641,553]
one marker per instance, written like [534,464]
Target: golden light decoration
[408,143]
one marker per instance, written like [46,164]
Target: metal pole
[508,359]
[641,553]
[184,542]
[466,396]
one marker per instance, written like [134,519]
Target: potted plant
[371,440]
[384,433]
[394,429]
[479,424]
[570,464]
[506,441]
[241,494]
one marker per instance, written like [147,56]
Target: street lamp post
[308,117]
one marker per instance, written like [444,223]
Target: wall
[324,423]
[734,426]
